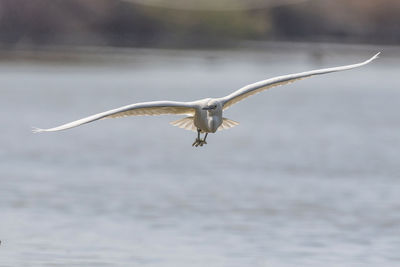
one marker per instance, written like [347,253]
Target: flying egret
[205,115]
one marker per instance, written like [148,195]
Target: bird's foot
[196,142]
[199,142]
[203,142]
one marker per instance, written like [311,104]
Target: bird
[204,116]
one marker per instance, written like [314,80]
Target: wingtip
[372,58]
[376,56]
[37,130]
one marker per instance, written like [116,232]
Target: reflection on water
[309,177]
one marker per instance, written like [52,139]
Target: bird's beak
[206,108]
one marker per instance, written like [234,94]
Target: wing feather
[185,123]
[260,86]
[139,109]
[227,123]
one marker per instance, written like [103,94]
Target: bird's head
[212,106]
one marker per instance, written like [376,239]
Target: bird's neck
[214,120]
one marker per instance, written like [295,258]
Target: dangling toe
[197,142]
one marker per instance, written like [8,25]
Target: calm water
[309,178]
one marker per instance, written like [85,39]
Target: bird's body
[205,115]
[208,121]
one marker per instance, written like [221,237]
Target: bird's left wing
[139,109]
[260,86]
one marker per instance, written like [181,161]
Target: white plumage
[205,115]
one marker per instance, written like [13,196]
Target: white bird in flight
[205,115]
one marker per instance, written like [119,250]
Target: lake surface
[310,177]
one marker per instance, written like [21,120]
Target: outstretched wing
[139,109]
[260,86]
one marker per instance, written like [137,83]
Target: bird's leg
[204,139]
[198,141]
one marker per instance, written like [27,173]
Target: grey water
[310,177]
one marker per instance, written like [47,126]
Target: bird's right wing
[139,109]
[258,87]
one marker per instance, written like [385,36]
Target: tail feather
[188,124]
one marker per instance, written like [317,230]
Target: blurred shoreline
[133,23]
[119,55]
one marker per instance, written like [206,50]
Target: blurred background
[310,177]
[176,23]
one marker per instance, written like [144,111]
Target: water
[309,178]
